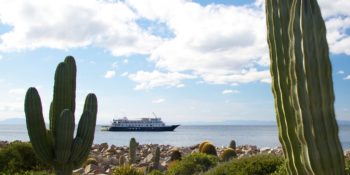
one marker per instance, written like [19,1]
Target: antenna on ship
[154,115]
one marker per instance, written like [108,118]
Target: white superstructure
[143,122]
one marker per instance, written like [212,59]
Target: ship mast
[154,115]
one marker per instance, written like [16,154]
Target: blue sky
[186,61]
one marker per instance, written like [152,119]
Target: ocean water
[220,135]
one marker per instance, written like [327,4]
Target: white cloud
[110,74]
[126,61]
[213,42]
[124,74]
[114,65]
[247,76]
[347,77]
[149,80]
[159,100]
[17,91]
[340,72]
[229,91]
[1,57]
[68,24]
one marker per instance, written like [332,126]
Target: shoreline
[108,156]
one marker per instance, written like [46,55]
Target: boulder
[89,168]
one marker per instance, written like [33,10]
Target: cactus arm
[72,72]
[86,129]
[86,134]
[64,90]
[76,148]
[91,105]
[36,126]
[302,87]
[64,136]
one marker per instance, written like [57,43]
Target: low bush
[347,166]
[19,157]
[255,165]
[155,172]
[126,170]
[192,164]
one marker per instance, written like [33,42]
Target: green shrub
[19,157]
[191,164]
[255,165]
[126,170]
[347,166]
[155,172]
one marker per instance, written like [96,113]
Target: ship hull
[163,128]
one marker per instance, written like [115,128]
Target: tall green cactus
[57,146]
[303,88]
[132,150]
[232,144]
[156,158]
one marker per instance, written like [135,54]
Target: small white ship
[144,124]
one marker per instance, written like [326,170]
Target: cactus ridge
[58,146]
[303,88]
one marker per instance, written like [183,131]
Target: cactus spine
[57,146]
[302,87]
[132,150]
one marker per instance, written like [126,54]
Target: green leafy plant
[302,86]
[255,165]
[193,163]
[126,170]
[19,157]
[57,146]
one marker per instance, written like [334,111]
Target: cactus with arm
[57,146]
[303,88]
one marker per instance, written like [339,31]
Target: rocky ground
[106,157]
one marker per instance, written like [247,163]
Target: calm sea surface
[262,136]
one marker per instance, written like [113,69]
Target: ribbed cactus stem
[58,146]
[232,144]
[156,158]
[132,150]
[36,126]
[303,88]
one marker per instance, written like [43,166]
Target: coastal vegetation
[304,101]
[18,158]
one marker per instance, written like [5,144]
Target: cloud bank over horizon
[220,44]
